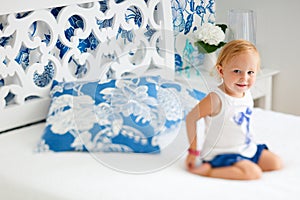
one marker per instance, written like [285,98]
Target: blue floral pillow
[126,115]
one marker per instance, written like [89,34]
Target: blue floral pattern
[26,56]
[188,16]
[127,115]
[243,119]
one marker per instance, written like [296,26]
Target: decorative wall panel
[97,40]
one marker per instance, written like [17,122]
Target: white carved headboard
[67,40]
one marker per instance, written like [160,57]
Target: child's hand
[190,161]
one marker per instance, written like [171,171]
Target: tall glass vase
[242,25]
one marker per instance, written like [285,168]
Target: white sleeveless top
[230,131]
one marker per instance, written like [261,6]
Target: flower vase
[209,62]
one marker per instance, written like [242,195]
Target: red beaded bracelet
[194,152]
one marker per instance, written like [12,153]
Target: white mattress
[25,174]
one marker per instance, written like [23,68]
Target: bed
[26,173]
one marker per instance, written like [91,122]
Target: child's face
[239,73]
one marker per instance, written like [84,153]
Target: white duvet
[25,174]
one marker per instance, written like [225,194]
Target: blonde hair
[236,47]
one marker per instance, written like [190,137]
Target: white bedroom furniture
[25,174]
[263,88]
[55,43]
[14,6]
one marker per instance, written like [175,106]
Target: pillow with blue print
[119,115]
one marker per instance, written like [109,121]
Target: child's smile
[239,74]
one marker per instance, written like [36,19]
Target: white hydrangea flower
[210,34]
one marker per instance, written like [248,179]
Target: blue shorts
[224,160]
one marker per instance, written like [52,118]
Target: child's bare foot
[202,170]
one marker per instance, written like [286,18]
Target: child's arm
[209,106]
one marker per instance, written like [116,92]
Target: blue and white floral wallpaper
[189,15]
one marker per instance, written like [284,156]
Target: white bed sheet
[71,175]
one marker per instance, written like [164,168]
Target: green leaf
[222,26]
[206,48]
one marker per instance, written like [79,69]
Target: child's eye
[237,71]
[251,72]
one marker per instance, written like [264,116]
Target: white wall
[278,40]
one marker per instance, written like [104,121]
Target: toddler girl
[229,150]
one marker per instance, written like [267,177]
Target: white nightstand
[204,81]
